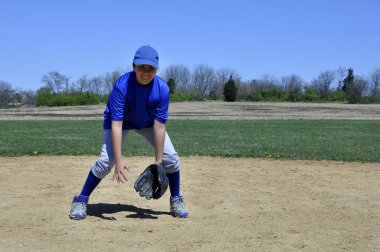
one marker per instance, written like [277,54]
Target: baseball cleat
[78,209]
[177,207]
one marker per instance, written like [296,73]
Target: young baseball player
[139,102]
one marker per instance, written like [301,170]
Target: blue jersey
[135,104]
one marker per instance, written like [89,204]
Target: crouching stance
[139,102]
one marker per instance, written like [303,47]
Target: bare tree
[96,85]
[180,74]
[340,75]
[82,84]
[28,97]
[203,78]
[293,85]
[355,92]
[265,83]
[5,93]
[110,79]
[56,82]
[322,84]
[374,83]
[245,87]
[251,86]
[269,80]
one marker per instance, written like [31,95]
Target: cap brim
[145,62]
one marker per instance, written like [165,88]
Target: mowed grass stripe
[346,140]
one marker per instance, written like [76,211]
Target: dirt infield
[235,205]
[240,204]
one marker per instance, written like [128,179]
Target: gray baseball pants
[104,164]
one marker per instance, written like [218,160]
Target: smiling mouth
[145,79]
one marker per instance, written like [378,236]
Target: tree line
[205,83]
[340,85]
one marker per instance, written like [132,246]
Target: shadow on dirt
[100,209]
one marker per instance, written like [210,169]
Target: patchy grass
[346,140]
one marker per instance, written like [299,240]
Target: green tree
[353,87]
[172,86]
[230,90]
[348,81]
[42,96]
[311,95]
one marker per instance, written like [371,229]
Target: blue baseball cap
[146,55]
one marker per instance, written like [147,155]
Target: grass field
[346,140]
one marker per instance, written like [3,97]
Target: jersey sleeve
[162,111]
[117,101]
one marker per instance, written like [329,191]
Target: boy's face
[144,74]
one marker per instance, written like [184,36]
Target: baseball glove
[152,182]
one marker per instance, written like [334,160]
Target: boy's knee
[102,168]
[171,162]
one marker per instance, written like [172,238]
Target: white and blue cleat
[177,207]
[78,209]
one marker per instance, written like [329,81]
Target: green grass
[346,140]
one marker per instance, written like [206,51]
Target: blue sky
[279,37]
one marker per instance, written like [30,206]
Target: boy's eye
[146,69]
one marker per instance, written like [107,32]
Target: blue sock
[91,183]
[174,179]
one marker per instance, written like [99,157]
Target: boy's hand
[119,173]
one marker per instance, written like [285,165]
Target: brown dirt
[240,204]
[235,205]
[214,110]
